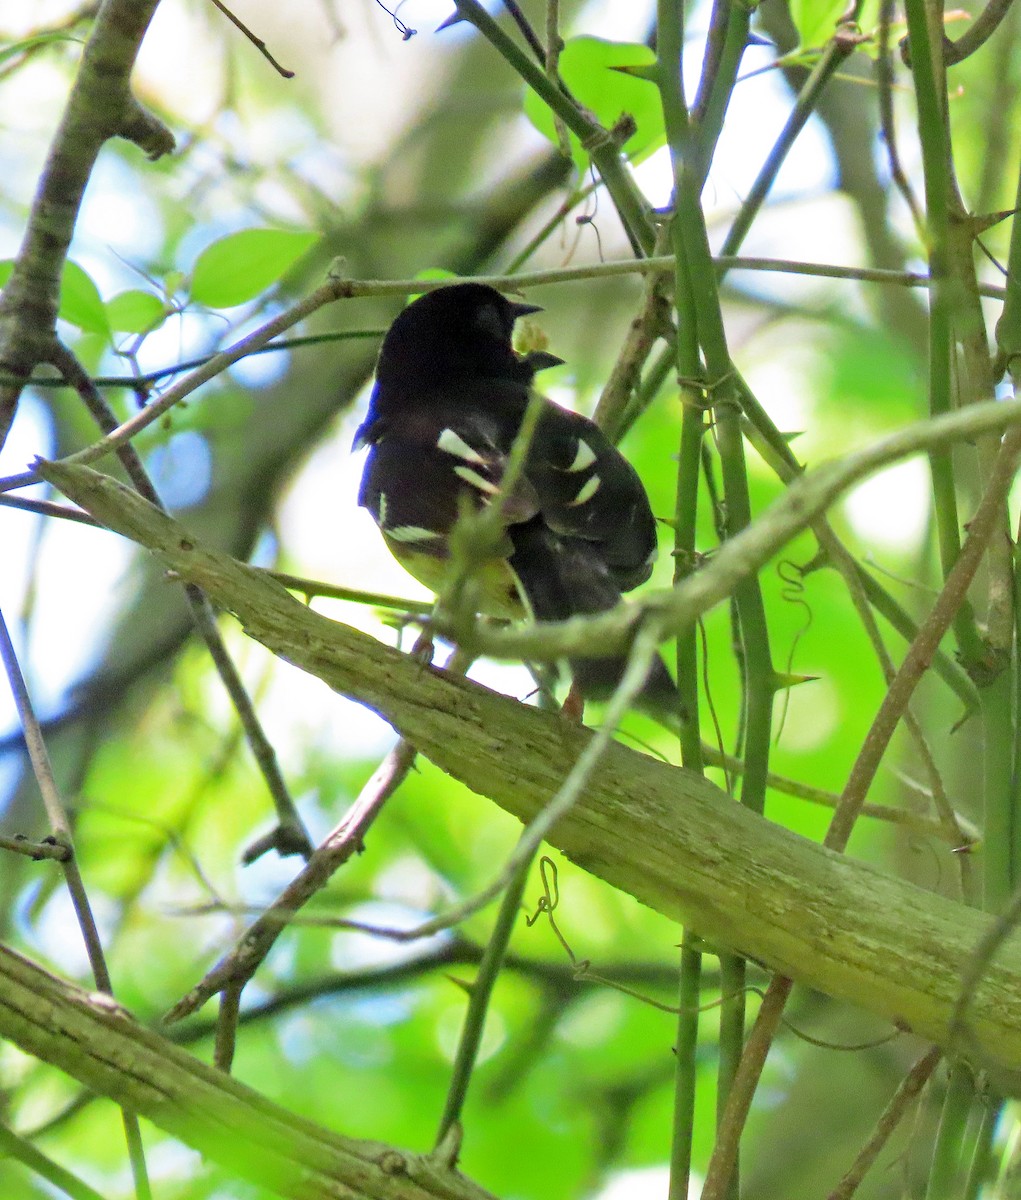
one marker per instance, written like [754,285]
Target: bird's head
[455,332]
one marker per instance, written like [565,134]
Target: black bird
[449,399]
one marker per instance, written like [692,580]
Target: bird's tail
[561,578]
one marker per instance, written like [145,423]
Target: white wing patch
[588,490]
[477,480]
[585,457]
[453,443]
[411,533]
[382,510]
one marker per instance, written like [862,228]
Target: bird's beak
[542,360]
[524,310]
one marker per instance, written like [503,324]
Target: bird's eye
[488,320]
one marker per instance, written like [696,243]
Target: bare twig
[257,42]
[47,848]
[290,835]
[742,1089]
[884,83]
[908,1091]
[61,828]
[47,508]
[981,527]
[981,30]
[237,967]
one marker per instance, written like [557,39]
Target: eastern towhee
[449,399]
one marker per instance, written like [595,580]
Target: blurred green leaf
[80,301]
[134,311]
[603,77]
[238,267]
[816,20]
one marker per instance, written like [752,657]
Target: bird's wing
[455,447]
[420,474]
[588,490]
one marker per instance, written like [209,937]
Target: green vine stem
[728,38]
[686,1072]
[930,95]
[945,1172]
[599,142]
[479,996]
[701,303]
[839,48]
[685,356]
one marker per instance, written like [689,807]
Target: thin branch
[310,588]
[290,835]
[257,42]
[47,848]
[47,508]
[839,49]
[17,1148]
[479,996]
[976,36]
[884,85]
[916,661]
[742,1089]
[61,828]
[236,968]
[135,382]
[909,1089]
[100,106]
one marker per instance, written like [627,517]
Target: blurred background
[399,156]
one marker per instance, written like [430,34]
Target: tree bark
[667,836]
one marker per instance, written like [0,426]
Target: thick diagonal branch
[99,1044]
[667,836]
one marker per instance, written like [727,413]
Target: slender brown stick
[257,42]
[742,1088]
[237,967]
[930,634]
[908,1090]
[56,812]
[290,835]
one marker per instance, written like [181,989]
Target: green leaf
[816,20]
[135,311]
[80,301]
[608,78]
[241,265]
